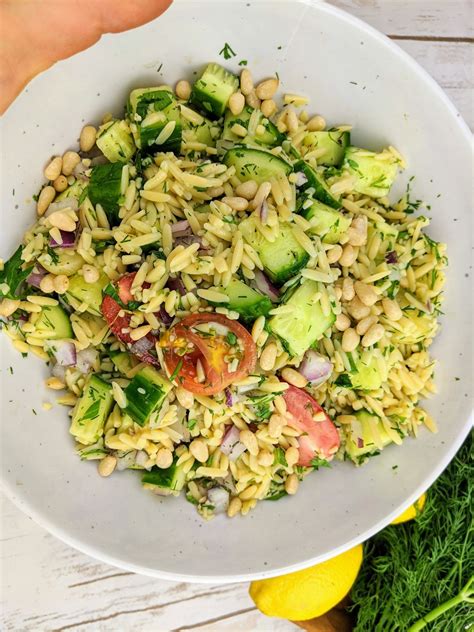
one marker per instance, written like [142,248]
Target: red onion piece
[315,367]
[300,179]
[141,346]
[263,283]
[165,318]
[34,279]
[188,240]
[264,212]
[218,497]
[360,443]
[231,444]
[126,461]
[181,228]
[176,284]
[228,397]
[391,257]
[86,359]
[69,240]
[59,372]
[64,352]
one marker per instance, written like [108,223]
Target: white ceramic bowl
[353,75]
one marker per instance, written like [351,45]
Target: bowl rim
[42,519]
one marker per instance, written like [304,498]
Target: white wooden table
[45,585]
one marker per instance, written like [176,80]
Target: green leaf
[343,380]
[12,276]
[317,463]
[227,51]
[279,457]
[110,290]
[92,411]
[177,370]
[231,338]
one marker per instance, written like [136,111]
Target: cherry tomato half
[321,438]
[184,345]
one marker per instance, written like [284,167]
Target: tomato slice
[124,287]
[321,438]
[119,321]
[183,345]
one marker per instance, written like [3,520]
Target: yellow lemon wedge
[412,511]
[308,593]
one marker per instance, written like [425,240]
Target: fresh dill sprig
[422,569]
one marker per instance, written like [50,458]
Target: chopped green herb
[317,463]
[243,62]
[231,338]
[12,276]
[227,51]
[177,370]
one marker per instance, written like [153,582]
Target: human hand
[34,34]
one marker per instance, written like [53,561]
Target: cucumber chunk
[149,111]
[374,173]
[145,394]
[211,92]
[92,410]
[306,323]
[282,258]
[199,130]
[123,362]
[90,293]
[334,143]
[105,188]
[171,478]
[360,440]
[246,301]
[328,223]
[368,370]
[253,119]
[73,191]
[55,321]
[61,261]
[316,185]
[115,141]
[256,164]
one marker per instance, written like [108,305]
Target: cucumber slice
[115,141]
[61,261]
[105,186]
[74,191]
[306,323]
[149,111]
[270,136]
[145,394]
[375,173]
[171,478]
[256,164]
[364,430]
[202,131]
[54,321]
[328,223]
[370,370]
[91,411]
[89,293]
[334,143]
[123,362]
[316,185]
[211,92]
[282,258]
[249,303]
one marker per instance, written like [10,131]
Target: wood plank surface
[45,585]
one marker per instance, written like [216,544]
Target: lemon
[308,593]
[412,511]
